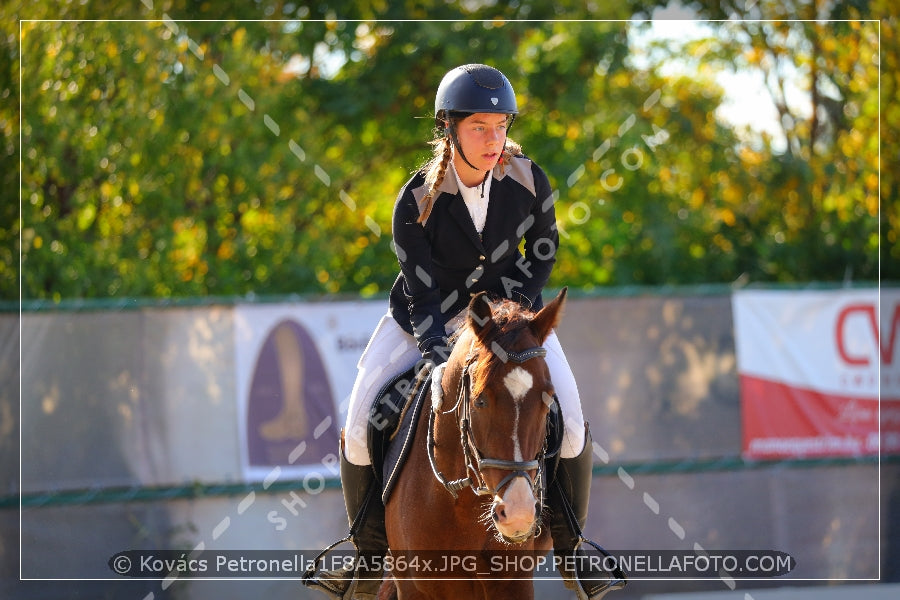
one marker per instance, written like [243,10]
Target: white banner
[296,364]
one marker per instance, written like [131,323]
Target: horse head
[505,395]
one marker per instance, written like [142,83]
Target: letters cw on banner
[819,372]
[295,366]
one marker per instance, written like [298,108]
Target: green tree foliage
[177,156]
[822,189]
[889,121]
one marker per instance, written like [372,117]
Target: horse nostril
[499,513]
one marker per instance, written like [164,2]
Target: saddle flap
[386,418]
[555,431]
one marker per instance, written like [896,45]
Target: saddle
[392,427]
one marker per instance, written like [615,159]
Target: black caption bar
[637,564]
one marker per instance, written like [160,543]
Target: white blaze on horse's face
[517,506]
[518,382]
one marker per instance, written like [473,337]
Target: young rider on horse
[457,227]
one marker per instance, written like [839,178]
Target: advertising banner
[296,364]
[818,372]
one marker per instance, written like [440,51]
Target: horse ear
[480,315]
[548,317]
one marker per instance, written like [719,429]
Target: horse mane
[508,320]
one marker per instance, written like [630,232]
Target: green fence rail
[106,495]
[32,305]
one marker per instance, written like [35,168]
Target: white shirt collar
[476,198]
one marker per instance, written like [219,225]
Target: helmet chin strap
[453,137]
[459,149]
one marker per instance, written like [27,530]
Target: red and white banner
[819,372]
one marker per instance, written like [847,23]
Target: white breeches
[392,351]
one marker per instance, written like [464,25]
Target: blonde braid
[435,171]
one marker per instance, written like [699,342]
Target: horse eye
[480,402]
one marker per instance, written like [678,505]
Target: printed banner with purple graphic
[296,364]
[819,372]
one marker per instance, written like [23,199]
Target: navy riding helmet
[473,88]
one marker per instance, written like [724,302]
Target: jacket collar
[448,185]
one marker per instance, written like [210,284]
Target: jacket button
[481,257]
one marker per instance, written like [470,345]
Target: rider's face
[482,137]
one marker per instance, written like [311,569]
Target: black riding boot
[568,500]
[365,511]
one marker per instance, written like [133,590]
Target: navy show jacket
[444,261]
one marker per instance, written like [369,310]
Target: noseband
[475,461]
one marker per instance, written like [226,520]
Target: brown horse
[485,429]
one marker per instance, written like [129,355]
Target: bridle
[475,461]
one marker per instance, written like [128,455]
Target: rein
[474,460]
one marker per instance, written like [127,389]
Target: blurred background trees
[169,155]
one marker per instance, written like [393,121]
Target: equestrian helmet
[475,88]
